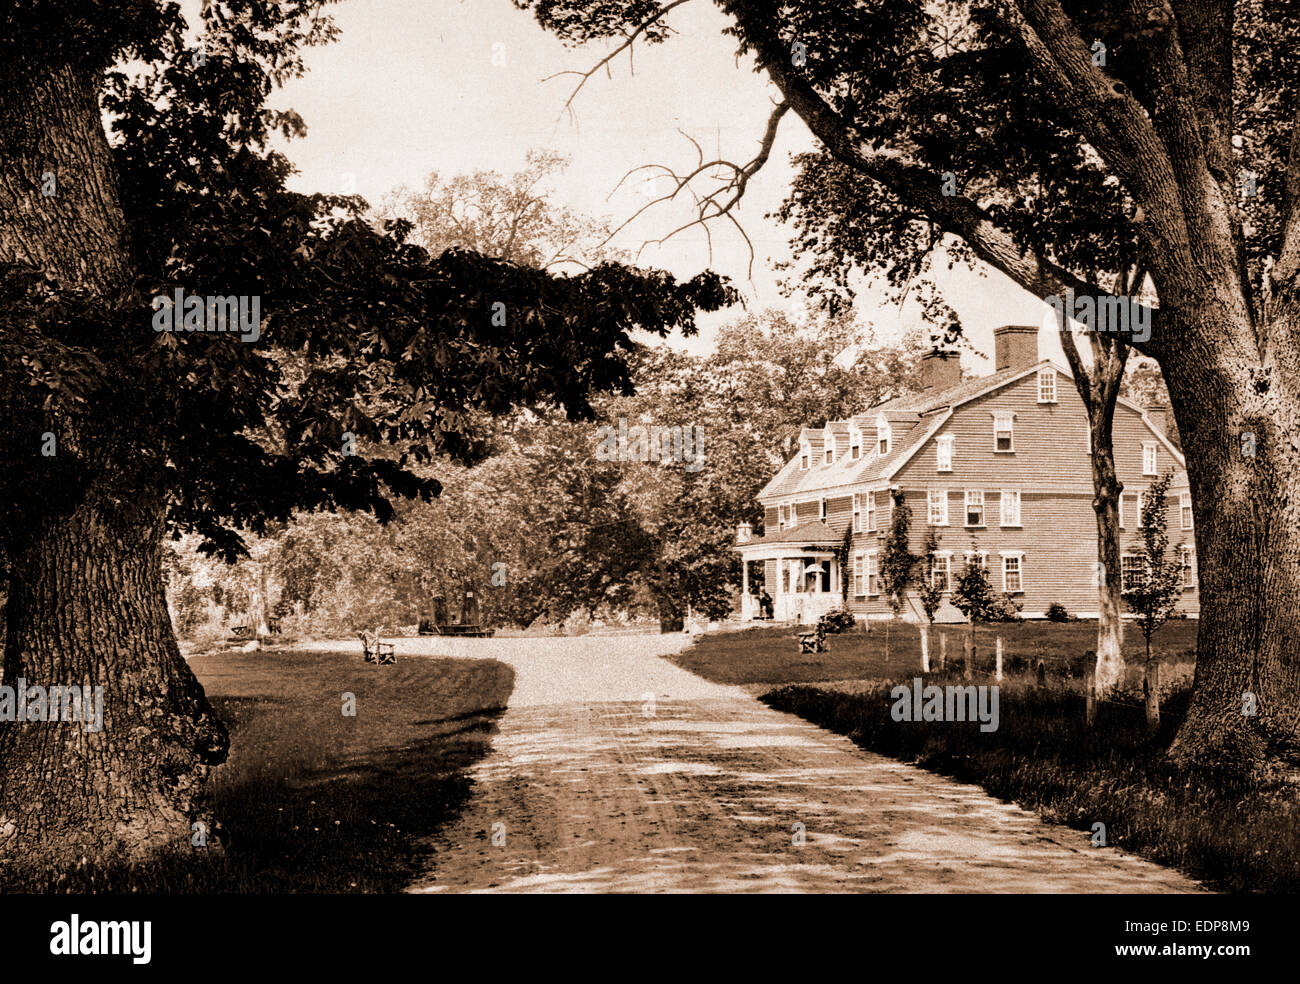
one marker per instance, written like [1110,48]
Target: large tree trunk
[86,608]
[1110,625]
[86,602]
[1247,532]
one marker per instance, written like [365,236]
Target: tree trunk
[86,602]
[1109,669]
[1246,501]
[86,608]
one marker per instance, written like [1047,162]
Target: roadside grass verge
[311,800]
[1235,836]
[769,655]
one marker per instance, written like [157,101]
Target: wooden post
[1042,673]
[997,670]
[968,653]
[1090,698]
[925,648]
[943,650]
[1151,688]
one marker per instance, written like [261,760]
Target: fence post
[925,648]
[943,650]
[997,671]
[968,654]
[1042,673]
[1090,698]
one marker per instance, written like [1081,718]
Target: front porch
[798,569]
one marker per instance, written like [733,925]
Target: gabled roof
[907,417]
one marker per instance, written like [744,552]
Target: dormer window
[1003,432]
[805,454]
[855,443]
[829,448]
[1047,385]
[884,435]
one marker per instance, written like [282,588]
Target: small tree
[930,593]
[973,595]
[897,563]
[1152,591]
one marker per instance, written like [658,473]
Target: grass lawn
[769,655]
[313,801]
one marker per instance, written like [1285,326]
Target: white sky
[411,87]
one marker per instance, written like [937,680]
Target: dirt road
[615,771]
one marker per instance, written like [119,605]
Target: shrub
[1004,609]
[1056,612]
[838,620]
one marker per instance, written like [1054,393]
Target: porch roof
[814,536]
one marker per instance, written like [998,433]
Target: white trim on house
[999,417]
[1007,557]
[1015,521]
[935,497]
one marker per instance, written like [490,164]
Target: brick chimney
[939,370]
[1158,414]
[1015,347]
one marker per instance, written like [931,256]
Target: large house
[1000,466]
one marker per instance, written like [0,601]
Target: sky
[414,86]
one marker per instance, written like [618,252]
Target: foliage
[1057,612]
[838,620]
[897,562]
[930,591]
[972,594]
[1152,591]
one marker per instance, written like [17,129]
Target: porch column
[744,589]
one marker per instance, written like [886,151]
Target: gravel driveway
[615,771]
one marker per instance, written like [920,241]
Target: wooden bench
[374,650]
[814,641]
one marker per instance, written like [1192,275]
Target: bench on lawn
[374,650]
[814,641]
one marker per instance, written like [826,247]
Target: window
[1141,518]
[1185,509]
[938,500]
[829,448]
[1010,507]
[821,509]
[1148,457]
[944,453]
[974,507]
[1130,572]
[941,570]
[785,579]
[1047,385]
[978,557]
[873,574]
[1003,435]
[1187,559]
[858,591]
[855,449]
[780,517]
[803,458]
[871,512]
[857,512]
[1012,573]
[883,435]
